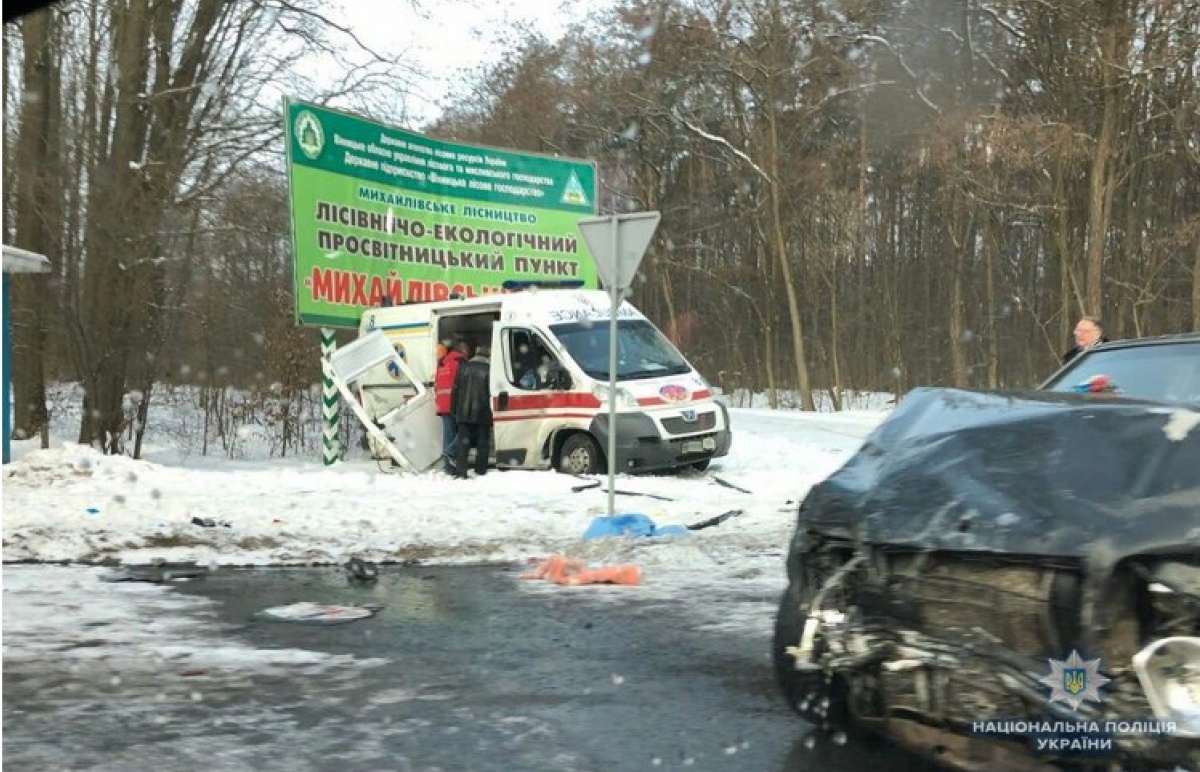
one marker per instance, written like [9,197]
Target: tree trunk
[835,334]
[132,187]
[1068,286]
[779,246]
[113,242]
[38,216]
[989,284]
[1196,285]
[1102,182]
[958,327]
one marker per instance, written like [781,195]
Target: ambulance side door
[526,384]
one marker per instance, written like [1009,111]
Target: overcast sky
[451,36]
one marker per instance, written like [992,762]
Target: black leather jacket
[1076,350]
[471,398]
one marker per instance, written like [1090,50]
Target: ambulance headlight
[1169,671]
[624,398]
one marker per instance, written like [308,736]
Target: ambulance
[549,383]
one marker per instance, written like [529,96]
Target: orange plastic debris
[565,571]
[623,574]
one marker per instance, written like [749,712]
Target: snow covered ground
[73,505]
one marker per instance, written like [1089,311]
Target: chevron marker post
[330,412]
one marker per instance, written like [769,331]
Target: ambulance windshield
[642,351]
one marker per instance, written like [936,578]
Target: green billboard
[384,216]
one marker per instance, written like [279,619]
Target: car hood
[1092,477]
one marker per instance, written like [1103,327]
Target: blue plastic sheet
[630,525]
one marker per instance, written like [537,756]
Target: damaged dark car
[1005,580]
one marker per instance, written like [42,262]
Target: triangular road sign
[618,243]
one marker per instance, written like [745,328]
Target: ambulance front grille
[678,425]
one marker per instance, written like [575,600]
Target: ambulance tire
[580,455]
[701,466]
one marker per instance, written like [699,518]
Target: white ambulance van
[549,383]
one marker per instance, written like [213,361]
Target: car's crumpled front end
[976,540]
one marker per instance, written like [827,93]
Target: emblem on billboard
[310,137]
[673,392]
[573,194]
[1074,680]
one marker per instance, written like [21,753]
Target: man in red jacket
[443,383]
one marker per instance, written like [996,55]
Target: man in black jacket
[471,406]
[1088,332]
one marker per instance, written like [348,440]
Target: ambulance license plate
[700,446]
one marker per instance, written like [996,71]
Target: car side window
[529,360]
[1167,373]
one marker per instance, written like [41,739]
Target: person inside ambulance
[530,361]
[534,377]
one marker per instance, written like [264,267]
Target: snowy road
[463,668]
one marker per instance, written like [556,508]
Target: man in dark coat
[1088,332]
[471,406]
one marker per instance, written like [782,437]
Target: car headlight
[624,397]
[1169,671]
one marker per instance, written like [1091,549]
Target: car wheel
[822,700]
[801,689]
[701,466]
[580,455]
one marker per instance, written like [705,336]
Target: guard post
[16,260]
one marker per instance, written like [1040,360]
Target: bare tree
[38,213]
[162,103]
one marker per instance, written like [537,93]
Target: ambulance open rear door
[406,427]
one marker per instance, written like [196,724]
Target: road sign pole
[614,297]
[617,244]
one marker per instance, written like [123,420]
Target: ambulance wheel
[701,466]
[580,455]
